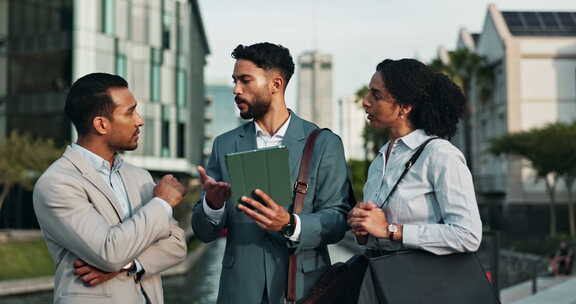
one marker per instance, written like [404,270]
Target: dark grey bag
[411,277]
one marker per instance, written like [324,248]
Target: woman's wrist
[395,232]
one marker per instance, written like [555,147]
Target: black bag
[415,276]
[340,284]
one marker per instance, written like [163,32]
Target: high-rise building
[351,127]
[315,88]
[158,46]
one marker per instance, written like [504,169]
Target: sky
[357,33]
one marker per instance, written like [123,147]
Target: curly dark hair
[437,102]
[88,97]
[267,56]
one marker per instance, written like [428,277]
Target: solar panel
[531,19]
[566,19]
[541,23]
[513,19]
[549,19]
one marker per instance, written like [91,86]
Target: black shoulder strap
[408,165]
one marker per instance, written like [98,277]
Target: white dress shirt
[435,201]
[111,176]
[263,140]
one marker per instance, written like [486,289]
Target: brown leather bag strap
[301,184]
[300,190]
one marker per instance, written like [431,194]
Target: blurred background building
[314,101]
[159,46]
[222,113]
[532,56]
[352,120]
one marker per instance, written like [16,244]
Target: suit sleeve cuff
[165,205]
[296,236]
[214,215]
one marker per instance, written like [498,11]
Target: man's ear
[101,124]
[277,83]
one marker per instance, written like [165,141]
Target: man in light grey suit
[255,264]
[108,228]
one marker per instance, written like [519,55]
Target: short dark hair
[88,97]
[267,56]
[437,102]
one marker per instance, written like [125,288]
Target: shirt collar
[97,162]
[412,140]
[280,133]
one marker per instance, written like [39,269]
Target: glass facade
[165,136]
[155,73]
[181,87]
[37,69]
[122,65]
[149,137]
[181,140]
[166,25]
[108,16]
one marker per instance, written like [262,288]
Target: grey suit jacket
[80,218]
[254,258]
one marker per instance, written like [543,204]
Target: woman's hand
[368,218]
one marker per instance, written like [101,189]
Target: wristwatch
[391,230]
[288,229]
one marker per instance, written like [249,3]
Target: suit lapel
[92,176]
[246,138]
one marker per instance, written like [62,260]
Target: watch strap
[288,229]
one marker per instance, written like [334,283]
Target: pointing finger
[203,176]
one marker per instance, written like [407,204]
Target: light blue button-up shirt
[435,201]
[111,176]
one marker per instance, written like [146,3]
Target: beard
[121,147]
[256,110]
[121,144]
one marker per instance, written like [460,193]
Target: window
[181,87]
[181,140]
[149,136]
[166,25]
[155,73]
[129,20]
[178,28]
[165,147]
[108,16]
[121,65]
[121,61]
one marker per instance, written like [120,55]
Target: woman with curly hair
[431,206]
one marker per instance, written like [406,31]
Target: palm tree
[465,68]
